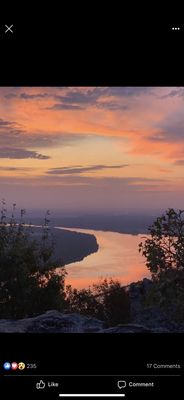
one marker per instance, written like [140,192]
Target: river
[117,257]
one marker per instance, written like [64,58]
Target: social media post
[91,206]
[91,240]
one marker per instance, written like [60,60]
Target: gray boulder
[56,322]
[152,317]
[127,328]
[52,321]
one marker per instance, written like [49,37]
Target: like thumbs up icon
[40,385]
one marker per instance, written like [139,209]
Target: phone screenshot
[91,218]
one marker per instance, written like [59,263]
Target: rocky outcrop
[151,317]
[56,322]
[128,328]
[52,321]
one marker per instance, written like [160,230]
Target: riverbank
[70,246]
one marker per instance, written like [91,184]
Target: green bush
[164,253]
[107,301]
[164,249]
[28,283]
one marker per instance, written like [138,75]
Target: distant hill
[132,224]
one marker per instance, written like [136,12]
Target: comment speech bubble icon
[121,384]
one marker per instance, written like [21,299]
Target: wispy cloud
[16,135]
[28,96]
[6,124]
[129,91]
[81,170]
[176,92]
[6,169]
[78,99]
[62,106]
[118,183]
[17,153]
[73,99]
[179,162]
[111,106]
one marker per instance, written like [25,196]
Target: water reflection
[117,257]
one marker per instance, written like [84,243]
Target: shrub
[164,253]
[28,282]
[107,301]
[164,250]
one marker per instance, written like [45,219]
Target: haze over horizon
[92,150]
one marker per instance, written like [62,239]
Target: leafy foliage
[28,282]
[165,249]
[164,253]
[107,301]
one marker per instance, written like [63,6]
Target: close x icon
[7,29]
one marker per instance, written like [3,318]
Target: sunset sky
[92,149]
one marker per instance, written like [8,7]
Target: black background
[95,49]
[118,355]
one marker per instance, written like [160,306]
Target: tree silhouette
[164,253]
[164,250]
[28,282]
